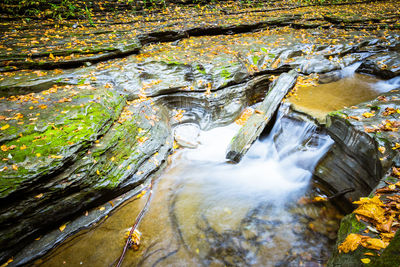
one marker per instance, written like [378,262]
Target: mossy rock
[114,152]
[44,132]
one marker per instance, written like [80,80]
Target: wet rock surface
[367,150]
[80,143]
[385,65]
[76,169]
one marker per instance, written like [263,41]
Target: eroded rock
[60,166]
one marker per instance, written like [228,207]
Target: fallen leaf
[351,243]
[5,127]
[371,208]
[62,227]
[368,114]
[374,243]
[365,260]
[7,262]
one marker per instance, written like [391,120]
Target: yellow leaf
[112,158]
[396,146]
[365,260]
[39,196]
[98,172]
[102,208]
[23,147]
[368,114]
[5,127]
[351,243]
[15,167]
[319,199]
[38,154]
[129,167]
[392,187]
[371,208]
[62,227]
[51,56]
[381,149]
[8,262]
[56,157]
[4,148]
[375,243]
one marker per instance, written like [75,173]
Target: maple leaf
[371,208]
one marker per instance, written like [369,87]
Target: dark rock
[385,65]
[211,110]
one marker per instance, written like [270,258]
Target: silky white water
[278,167]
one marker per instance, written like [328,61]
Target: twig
[341,193]
[137,221]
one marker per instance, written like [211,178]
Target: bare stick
[137,221]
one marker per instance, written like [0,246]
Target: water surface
[205,211]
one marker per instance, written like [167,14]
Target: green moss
[225,73]
[349,225]
[201,69]
[45,147]
[339,114]
[255,59]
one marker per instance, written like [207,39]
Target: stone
[253,127]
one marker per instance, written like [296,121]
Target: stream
[264,211]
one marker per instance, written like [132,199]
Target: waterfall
[274,168]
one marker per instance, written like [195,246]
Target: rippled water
[206,211]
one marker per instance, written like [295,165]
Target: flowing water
[205,211]
[260,212]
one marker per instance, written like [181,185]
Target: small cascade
[350,70]
[277,166]
[386,86]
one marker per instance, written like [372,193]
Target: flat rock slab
[257,122]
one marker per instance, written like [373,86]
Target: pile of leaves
[381,214]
